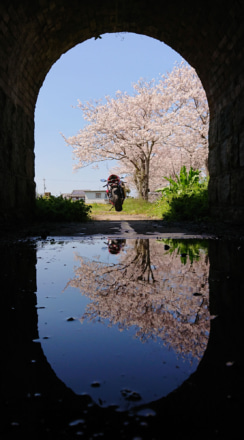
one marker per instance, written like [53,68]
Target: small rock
[147,412]
[95,384]
[77,422]
[131,395]
[229,363]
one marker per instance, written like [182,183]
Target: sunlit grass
[131,206]
[191,205]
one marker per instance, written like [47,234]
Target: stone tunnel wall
[209,35]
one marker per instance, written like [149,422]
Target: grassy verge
[130,207]
[175,204]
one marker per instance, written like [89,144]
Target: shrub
[186,198]
[60,209]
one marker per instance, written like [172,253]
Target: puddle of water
[123,321]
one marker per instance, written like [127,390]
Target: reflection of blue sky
[60,257]
[83,353]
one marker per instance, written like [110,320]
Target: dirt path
[120,217]
[124,226]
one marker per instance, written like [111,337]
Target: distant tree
[163,126]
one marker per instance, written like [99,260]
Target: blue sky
[90,70]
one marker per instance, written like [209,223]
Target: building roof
[94,190]
[78,193]
[81,193]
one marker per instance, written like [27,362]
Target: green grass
[189,203]
[191,206]
[130,207]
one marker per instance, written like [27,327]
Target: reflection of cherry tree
[141,263]
[151,290]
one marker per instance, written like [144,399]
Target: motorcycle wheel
[116,199]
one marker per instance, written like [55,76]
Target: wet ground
[124,226]
[122,329]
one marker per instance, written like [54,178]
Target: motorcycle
[115,245]
[115,191]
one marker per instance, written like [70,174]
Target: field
[131,206]
[185,198]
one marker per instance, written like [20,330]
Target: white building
[89,196]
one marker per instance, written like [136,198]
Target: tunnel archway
[210,38]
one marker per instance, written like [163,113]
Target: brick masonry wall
[209,35]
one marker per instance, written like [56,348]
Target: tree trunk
[143,265]
[145,178]
[141,177]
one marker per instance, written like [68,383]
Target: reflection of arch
[36,401]
[209,37]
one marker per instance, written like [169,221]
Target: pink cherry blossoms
[151,134]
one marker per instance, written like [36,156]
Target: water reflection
[124,294]
[115,245]
[36,403]
[153,290]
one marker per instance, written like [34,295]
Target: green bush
[184,182]
[60,209]
[186,198]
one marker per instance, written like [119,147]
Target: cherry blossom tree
[190,116]
[152,133]
[188,124]
[126,128]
